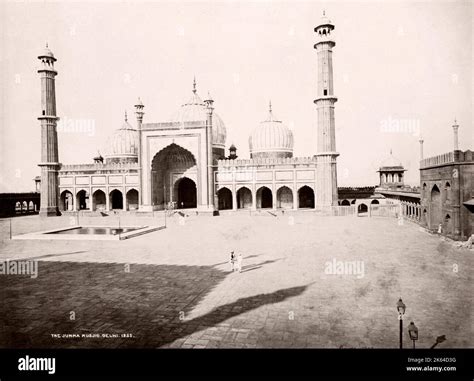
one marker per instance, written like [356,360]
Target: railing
[384,210]
[411,211]
[445,158]
[265,161]
[98,166]
[173,125]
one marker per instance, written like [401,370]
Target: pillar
[49,139]
[139,114]
[274,198]
[421,148]
[455,135]
[254,198]
[107,201]
[295,198]
[234,198]
[209,156]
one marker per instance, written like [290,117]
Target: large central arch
[170,163]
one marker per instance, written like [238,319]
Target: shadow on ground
[148,302]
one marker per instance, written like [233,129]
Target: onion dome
[271,139]
[122,146]
[391,162]
[232,152]
[195,110]
[47,53]
[324,19]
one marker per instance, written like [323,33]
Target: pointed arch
[306,197]
[224,197]
[185,193]
[131,198]
[244,198]
[284,197]
[67,203]
[99,199]
[171,161]
[264,198]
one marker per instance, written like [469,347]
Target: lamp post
[413,332]
[401,311]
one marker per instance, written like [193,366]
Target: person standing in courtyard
[232,261]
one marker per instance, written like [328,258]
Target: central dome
[195,110]
[122,146]
[391,162]
[271,139]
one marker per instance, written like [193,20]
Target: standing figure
[232,261]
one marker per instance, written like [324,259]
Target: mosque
[182,164]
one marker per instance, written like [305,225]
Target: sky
[401,69]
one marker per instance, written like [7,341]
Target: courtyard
[173,288]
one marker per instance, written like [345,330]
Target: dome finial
[390,151]
[126,118]
[270,106]
[324,12]
[194,85]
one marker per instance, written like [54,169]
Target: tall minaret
[49,137]
[139,113]
[455,135]
[326,181]
[421,147]
[210,159]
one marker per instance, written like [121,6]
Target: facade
[447,193]
[181,163]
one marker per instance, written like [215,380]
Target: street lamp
[401,311]
[413,332]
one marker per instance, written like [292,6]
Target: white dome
[271,138]
[122,146]
[391,161]
[194,110]
[47,53]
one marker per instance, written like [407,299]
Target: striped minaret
[326,181]
[49,137]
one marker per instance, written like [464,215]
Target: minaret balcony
[42,117]
[326,41]
[326,98]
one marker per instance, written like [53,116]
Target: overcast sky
[398,63]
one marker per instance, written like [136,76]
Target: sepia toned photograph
[236,175]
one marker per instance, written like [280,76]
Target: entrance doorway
[186,193]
